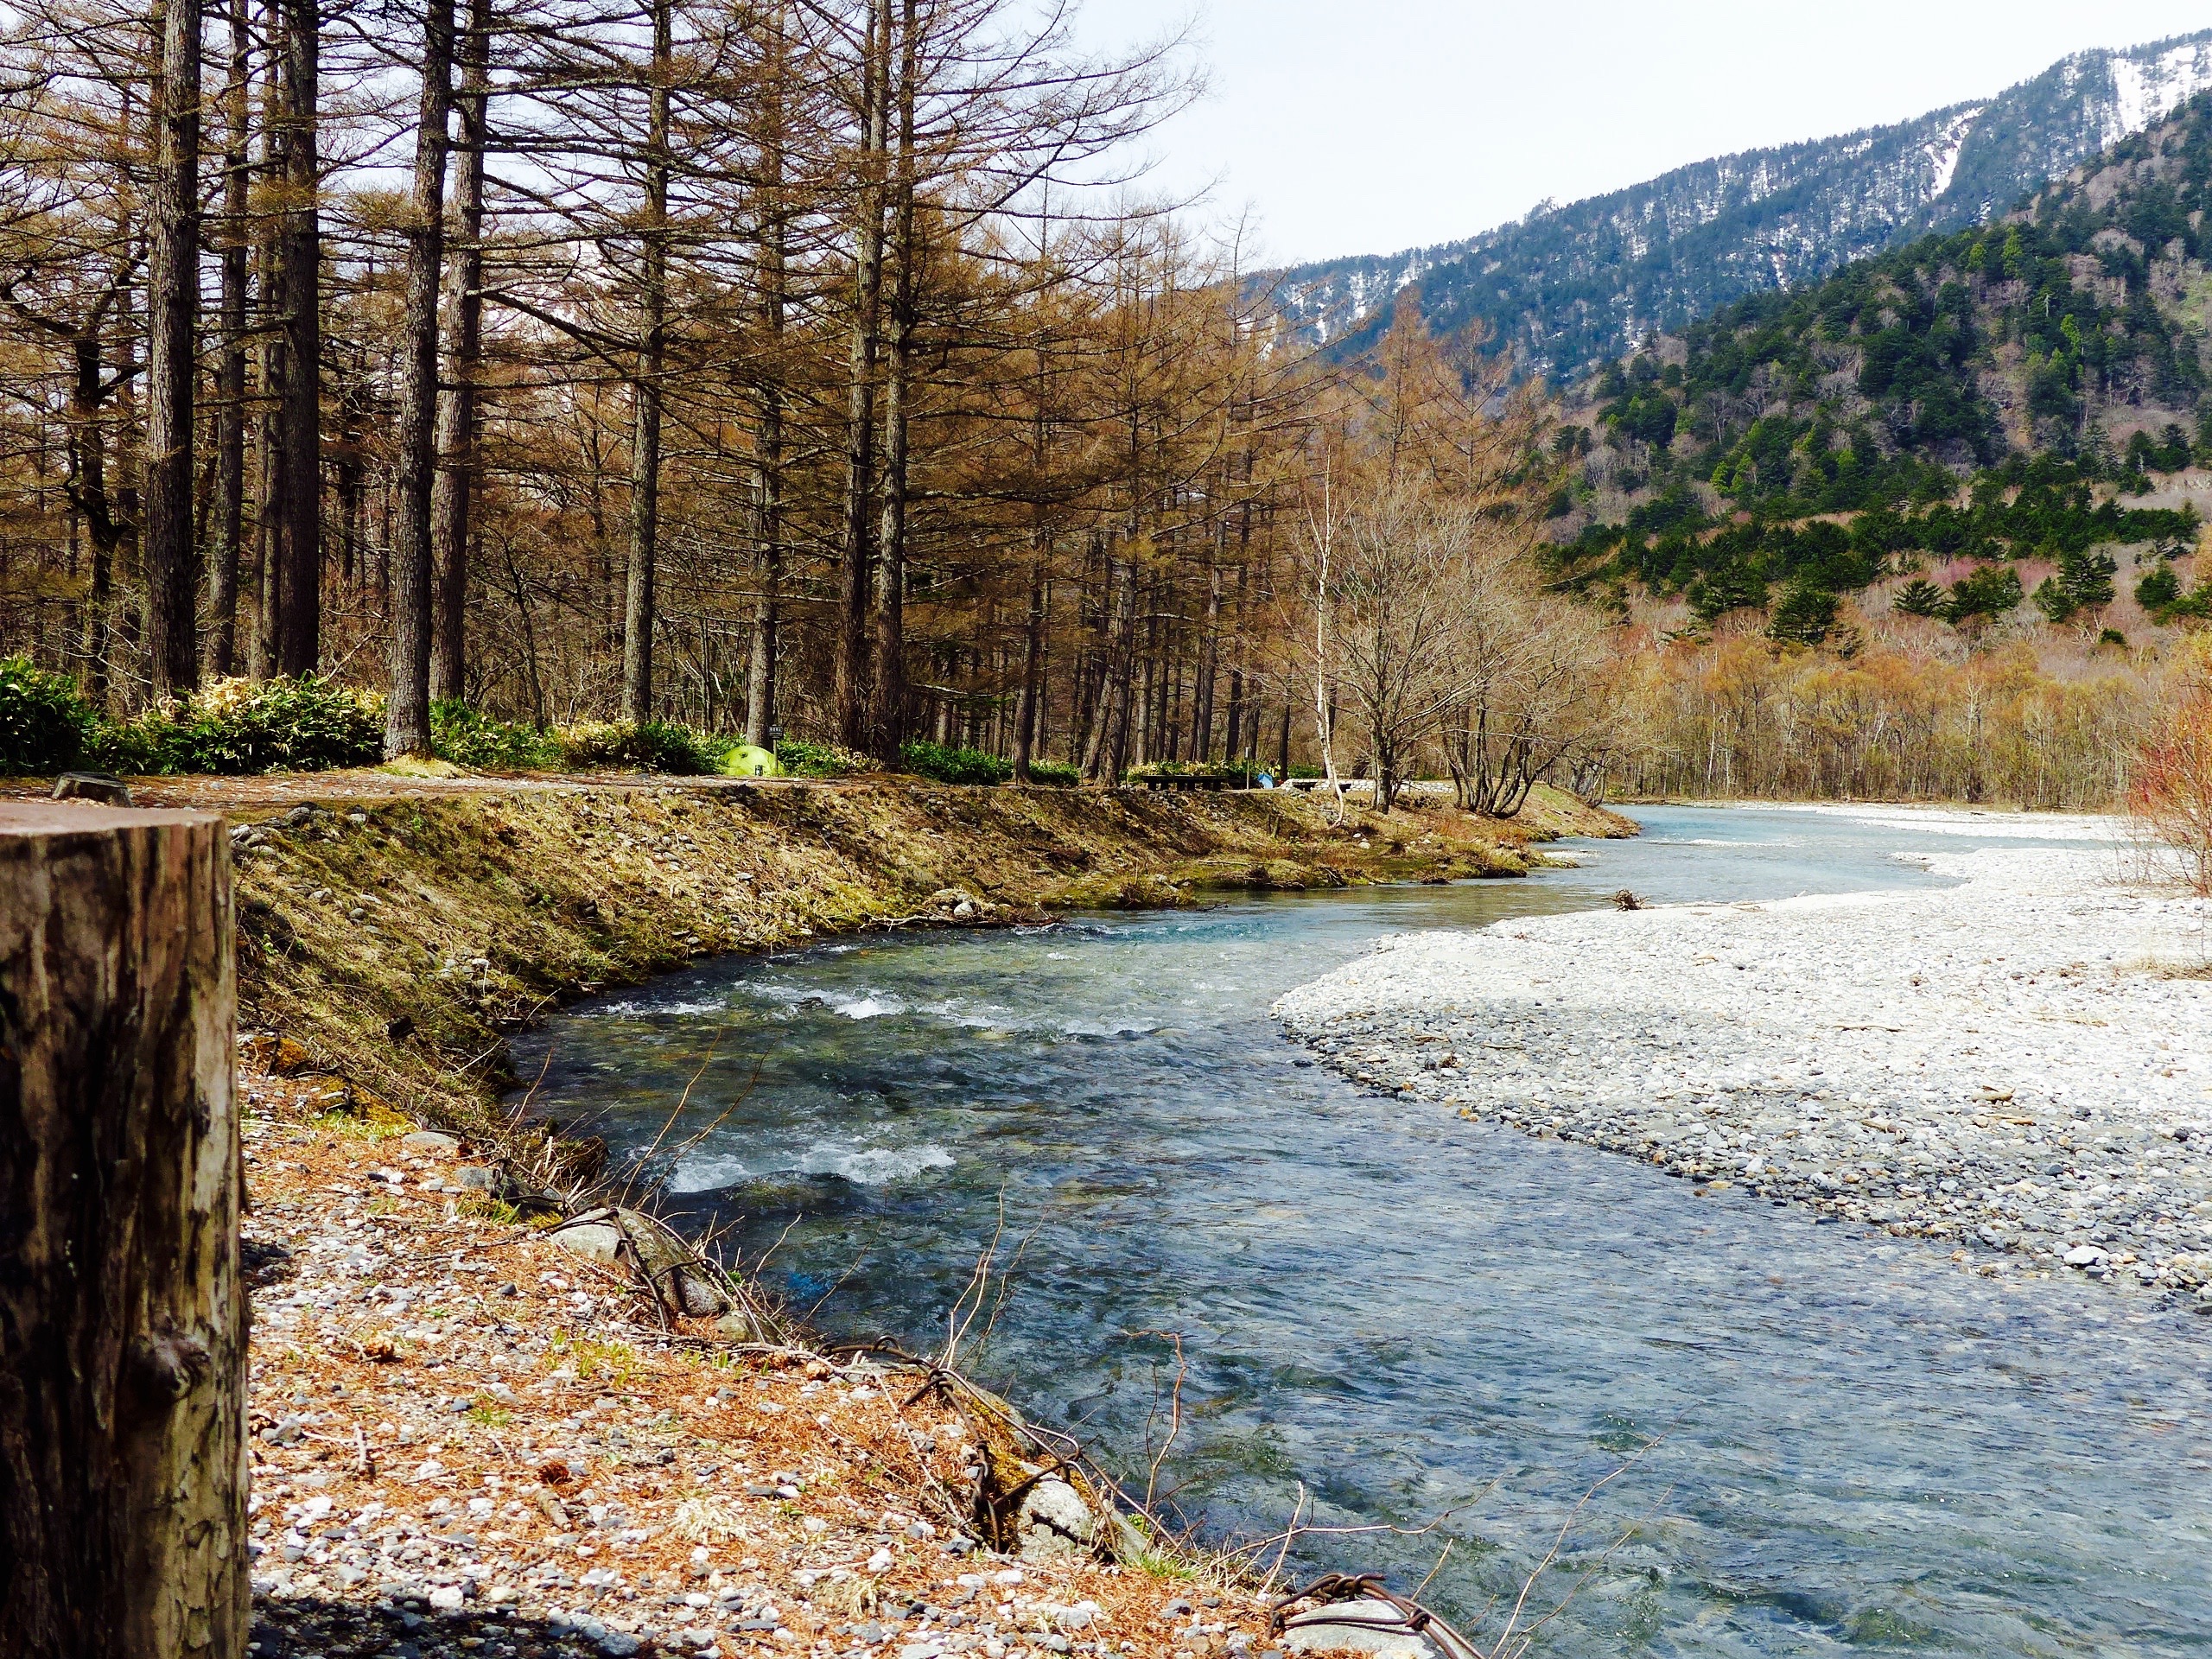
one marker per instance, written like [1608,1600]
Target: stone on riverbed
[1361,1626]
[598,1242]
[607,1237]
[1053,1521]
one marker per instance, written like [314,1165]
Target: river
[1835,1439]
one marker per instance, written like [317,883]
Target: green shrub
[461,734]
[800,757]
[1991,591]
[1056,773]
[1919,597]
[1804,615]
[953,766]
[134,746]
[1235,772]
[46,725]
[2086,575]
[2160,588]
[236,727]
[2195,606]
[654,747]
[2053,600]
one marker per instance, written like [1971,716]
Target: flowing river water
[1421,1323]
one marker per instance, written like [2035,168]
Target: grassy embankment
[391,941]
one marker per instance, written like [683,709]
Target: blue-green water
[1408,1317]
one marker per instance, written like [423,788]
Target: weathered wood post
[123,1334]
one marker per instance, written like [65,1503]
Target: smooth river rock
[1363,1626]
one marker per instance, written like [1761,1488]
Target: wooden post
[122,1330]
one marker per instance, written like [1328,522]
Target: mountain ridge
[1569,286]
[2010,409]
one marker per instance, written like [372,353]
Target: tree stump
[123,1327]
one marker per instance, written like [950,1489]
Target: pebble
[2016,1063]
[393,1329]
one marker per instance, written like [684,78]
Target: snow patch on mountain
[1571,286]
[1943,150]
[2150,89]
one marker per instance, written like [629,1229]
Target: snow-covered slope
[1568,287]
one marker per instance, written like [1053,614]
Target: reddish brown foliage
[2172,796]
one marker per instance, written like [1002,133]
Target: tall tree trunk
[230,419]
[90,491]
[268,537]
[124,630]
[849,687]
[407,718]
[68,616]
[299,306]
[645,395]
[889,691]
[760,660]
[1209,650]
[122,1317]
[353,557]
[267,655]
[1041,542]
[1235,746]
[172,561]
[1108,750]
[452,496]
[768,472]
[1033,664]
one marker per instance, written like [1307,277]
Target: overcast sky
[1365,126]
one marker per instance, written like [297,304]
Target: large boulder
[598,1242]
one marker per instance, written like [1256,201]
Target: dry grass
[395,942]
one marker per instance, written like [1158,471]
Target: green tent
[747,761]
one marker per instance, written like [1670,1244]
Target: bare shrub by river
[2171,797]
[1743,719]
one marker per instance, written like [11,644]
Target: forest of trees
[1740,719]
[811,365]
[818,369]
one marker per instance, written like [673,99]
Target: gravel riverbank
[2016,1065]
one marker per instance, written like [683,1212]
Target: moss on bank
[393,940]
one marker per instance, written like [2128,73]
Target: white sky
[1365,126]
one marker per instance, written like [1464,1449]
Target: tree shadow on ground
[310,1626]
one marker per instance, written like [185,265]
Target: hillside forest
[1951,492]
[497,383]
